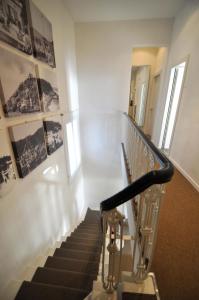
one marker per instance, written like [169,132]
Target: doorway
[172,105]
[146,64]
[138,93]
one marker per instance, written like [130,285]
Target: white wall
[43,206]
[185,42]
[104,59]
[104,52]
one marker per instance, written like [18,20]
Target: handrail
[160,176]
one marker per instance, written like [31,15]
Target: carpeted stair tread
[83,241]
[88,230]
[64,278]
[83,247]
[82,255]
[86,236]
[72,265]
[39,291]
[95,223]
[70,272]
[92,215]
[137,296]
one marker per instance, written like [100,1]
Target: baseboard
[185,174]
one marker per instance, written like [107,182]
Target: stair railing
[147,171]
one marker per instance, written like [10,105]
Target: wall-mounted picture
[29,146]
[6,169]
[42,37]
[53,130]
[14,27]
[18,85]
[48,90]
[7,174]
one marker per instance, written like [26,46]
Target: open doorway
[172,105]
[148,64]
[139,92]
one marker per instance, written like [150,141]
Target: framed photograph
[29,146]
[18,85]
[7,174]
[53,131]
[6,169]
[14,27]
[42,37]
[48,90]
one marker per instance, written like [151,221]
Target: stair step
[82,247]
[88,230]
[92,215]
[38,291]
[94,223]
[137,296]
[92,220]
[72,265]
[79,240]
[64,278]
[82,255]
[86,236]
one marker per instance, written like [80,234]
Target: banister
[147,171]
[163,175]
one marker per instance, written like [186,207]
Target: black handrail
[160,176]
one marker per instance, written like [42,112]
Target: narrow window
[172,104]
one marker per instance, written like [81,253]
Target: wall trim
[185,174]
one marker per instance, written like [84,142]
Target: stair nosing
[73,259]
[75,244]
[53,285]
[90,252]
[60,271]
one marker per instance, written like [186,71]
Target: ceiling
[112,10]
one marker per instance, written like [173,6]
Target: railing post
[112,236]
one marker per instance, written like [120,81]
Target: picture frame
[41,35]
[53,133]
[18,85]
[7,174]
[29,147]
[48,90]
[14,25]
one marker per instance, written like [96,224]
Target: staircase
[70,272]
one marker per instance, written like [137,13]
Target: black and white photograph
[29,146]
[42,37]
[7,174]
[18,85]
[14,27]
[6,169]
[53,131]
[48,90]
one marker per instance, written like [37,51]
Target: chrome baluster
[113,222]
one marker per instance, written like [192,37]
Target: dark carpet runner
[70,272]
